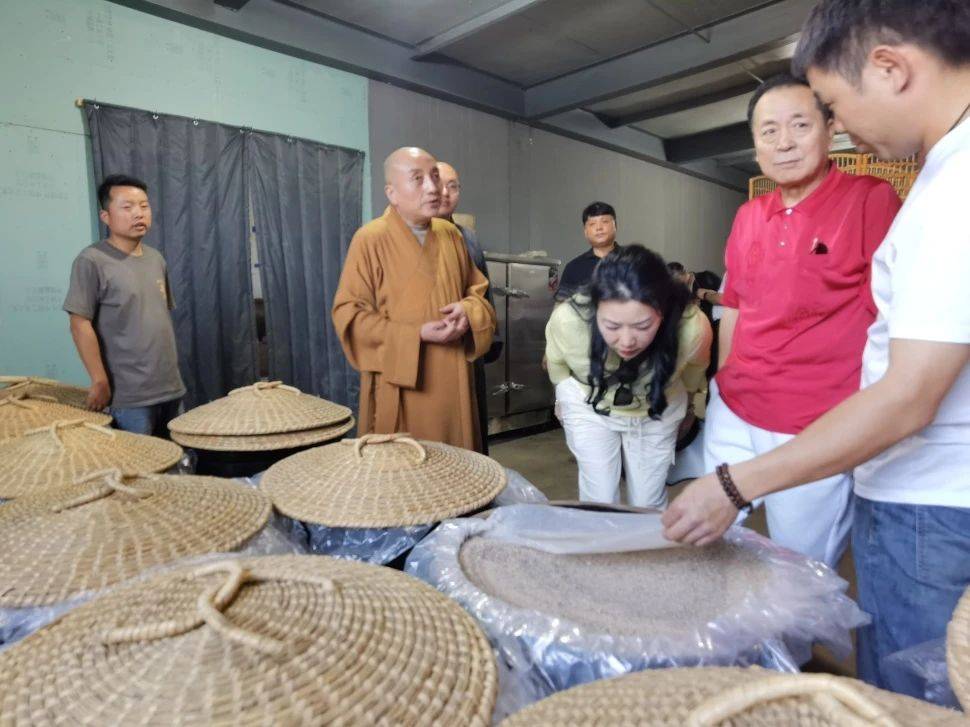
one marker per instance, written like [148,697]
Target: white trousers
[813,519]
[600,444]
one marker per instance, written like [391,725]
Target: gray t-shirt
[128,299]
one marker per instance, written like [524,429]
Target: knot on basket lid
[399,437]
[260,386]
[840,702]
[21,400]
[210,606]
[53,428]
[110,483]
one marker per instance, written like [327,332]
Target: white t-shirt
[919,283]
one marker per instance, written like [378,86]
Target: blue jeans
[913,565]
[151,420]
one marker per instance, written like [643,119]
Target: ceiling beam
[717,142]
[584,126]
[286,27]
[470,27]
[678,106]
[740,36]
[232,4]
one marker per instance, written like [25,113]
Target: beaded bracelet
[731,490]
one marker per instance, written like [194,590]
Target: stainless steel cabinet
[519,392]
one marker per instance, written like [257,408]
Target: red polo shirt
[799,278]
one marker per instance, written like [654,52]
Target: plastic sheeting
[384,545]
[801,603]
[17,623]
[921,671]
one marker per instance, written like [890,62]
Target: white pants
[813,519]
[599,442]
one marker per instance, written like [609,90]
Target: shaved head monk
[411,312]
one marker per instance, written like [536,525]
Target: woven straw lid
[62,393]
[752,697]
[382,481]
[22,412]
[277,640]
[60,453]
[106,528]
[264,442]
[958,651]
[266,407]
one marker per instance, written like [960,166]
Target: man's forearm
[88,348]
[866,424]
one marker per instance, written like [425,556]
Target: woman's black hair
[633,272]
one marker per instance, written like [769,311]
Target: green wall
[53,51]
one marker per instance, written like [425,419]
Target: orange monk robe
[390,286]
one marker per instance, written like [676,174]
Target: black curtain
[307,204]
[196,186]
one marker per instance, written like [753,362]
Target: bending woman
[625,357]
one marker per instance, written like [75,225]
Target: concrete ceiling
[666,80]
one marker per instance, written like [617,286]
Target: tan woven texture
[266,407]
[264,442]
[32,385]
[86,536]
[732,696]
[382,481]
[20,413]
[958,651]
[281,640]
[62,452]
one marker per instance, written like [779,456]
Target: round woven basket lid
[264,442]
[382,481]
[958,651]
[22,412]
[60,453]
[106,528]
[266,407]
[751,697]
[62,393]
[276,640]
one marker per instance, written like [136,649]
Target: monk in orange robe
[411,312]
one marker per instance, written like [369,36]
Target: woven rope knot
[401,437]
[841,704]
[53,428]
[210,605]
[260,386]
[111,482]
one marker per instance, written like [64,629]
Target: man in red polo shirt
[797,307]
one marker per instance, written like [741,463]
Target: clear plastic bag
[921,671]
[518,491]
[802,602]
[17,623]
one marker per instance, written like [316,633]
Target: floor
[543,459]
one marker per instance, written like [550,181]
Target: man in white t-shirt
[896,75]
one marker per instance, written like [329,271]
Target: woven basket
[22,412]
[62,452]
[62,393]
[958,651]
[382,481]
[263,408]
[750,697]
[264,442]
[281,640]
[92,534]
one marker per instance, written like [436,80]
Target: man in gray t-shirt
[119,301]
